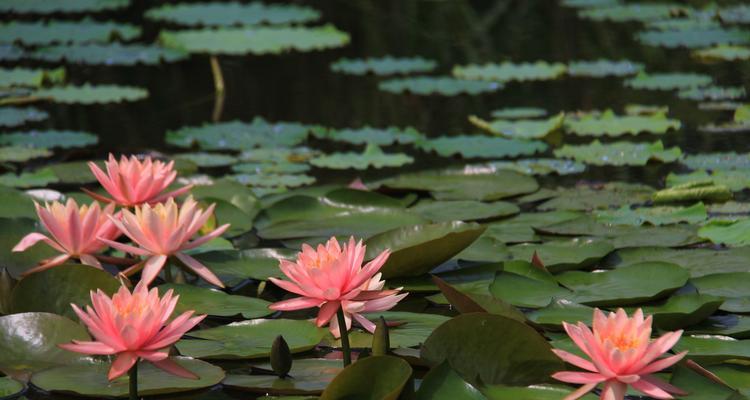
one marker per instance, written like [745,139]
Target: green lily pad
[16,116]
[693,191]
[39,178]
[308,376]
[619,153]
[476,146]
[533,392]
[702,387]
[370,135]
[735,14]
[520,128]
[10,387]
[633,284]
[232,14]
[736,326]
[694,38]
[699,262]
[238,135]
[273,179]
[584,197]
[463,210]
[30,77]
[216,302]
[341,212]
[712,349]
[730,286]
[458,184]
[91,379]
[668,81]
[59,31]
[632,12]
[519,112]
[717,161]
[413,332]
[589,3]
[442,382]
[64,7]
[713,93]
[108,54]
[383,65]
[29,342]
[536,166]
[723,52]
[730,233]
[372,378]
[20,154]
[269,168]
[610,124]
[442,85]
[524,285]
[234,266]
[250,339]
[735,180]
[654,215]
[417,249]
[49,139]
[559,311]
[508,71]
[10,52]
[602,68]
[520,229]
[91,94]
[559,256]
[63,285]
[259,40]
[372,156]
[208,160]
[682,310]
[73,172]
[492,349]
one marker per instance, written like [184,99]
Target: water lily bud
[281,357]
[6,286]
[381,341]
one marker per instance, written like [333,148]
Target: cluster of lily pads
[495,254]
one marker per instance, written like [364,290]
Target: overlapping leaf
[477,146]
[108,54]
[232,14]
[610,124]
[58,31]
[508,71]
[442,85]
[619,153]
[383,65]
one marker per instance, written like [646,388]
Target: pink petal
[174,193]
[651,390]
[366,323]
[662,363]
[124,247]
[327,311]
[205,238]
[173,368]
[288,286]
[580,392]
[575,360]
[122,365]
[152,267]
[578,377]
[34,238]
[200,269]
[663,385]
[614,390]
[49,264]
[298,303]
[97,348]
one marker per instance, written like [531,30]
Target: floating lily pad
[10,387]
[559,311]
[682,310]
[415,250]
[730,286]
[723,52]
[63,285]
[39,178]
[236,135]
[413,331]
[270,168]
[372,156]
[91,379]
[308,376]
[530,288]
[58,31]
[477,146]
[463,210]
[232,14]
[520,229]
[610,124]
[713,93]
[340,212]
[668,81]
[631,12]
[518,112]
[699,262]
[65,7]
[208,160]
[91,94]
[22,154]
[589,3]
[383,66]
[735,180]
[532,392]
[492,349]
[536,166]
[717,161]
[10,52]
[462,184]
[694,38]
[15,116]
[442,382]
[442,85]
[372,378]
[274,180]
[730,233]
[735,14]
[370,135]
[601,68]
[49,139]
[710,349]
[251,339]
[736,326]
[702,386]
[108,54]
[565,255]
[261,40]
[619,153]
[654,215]
[216,302]
[234,266]
[29,342]
[508,71]
[522,128]
[30,77]
[591,197]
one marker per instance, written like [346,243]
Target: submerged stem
[344,337]
[218,76]
[133,378]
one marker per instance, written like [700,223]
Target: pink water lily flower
[74,232]
[134,326]
[132,182]
[333,277]
[621,353]
[165,230]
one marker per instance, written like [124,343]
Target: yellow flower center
[133,308]
[625,342]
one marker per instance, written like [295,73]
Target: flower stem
[344,337]
[133,378]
